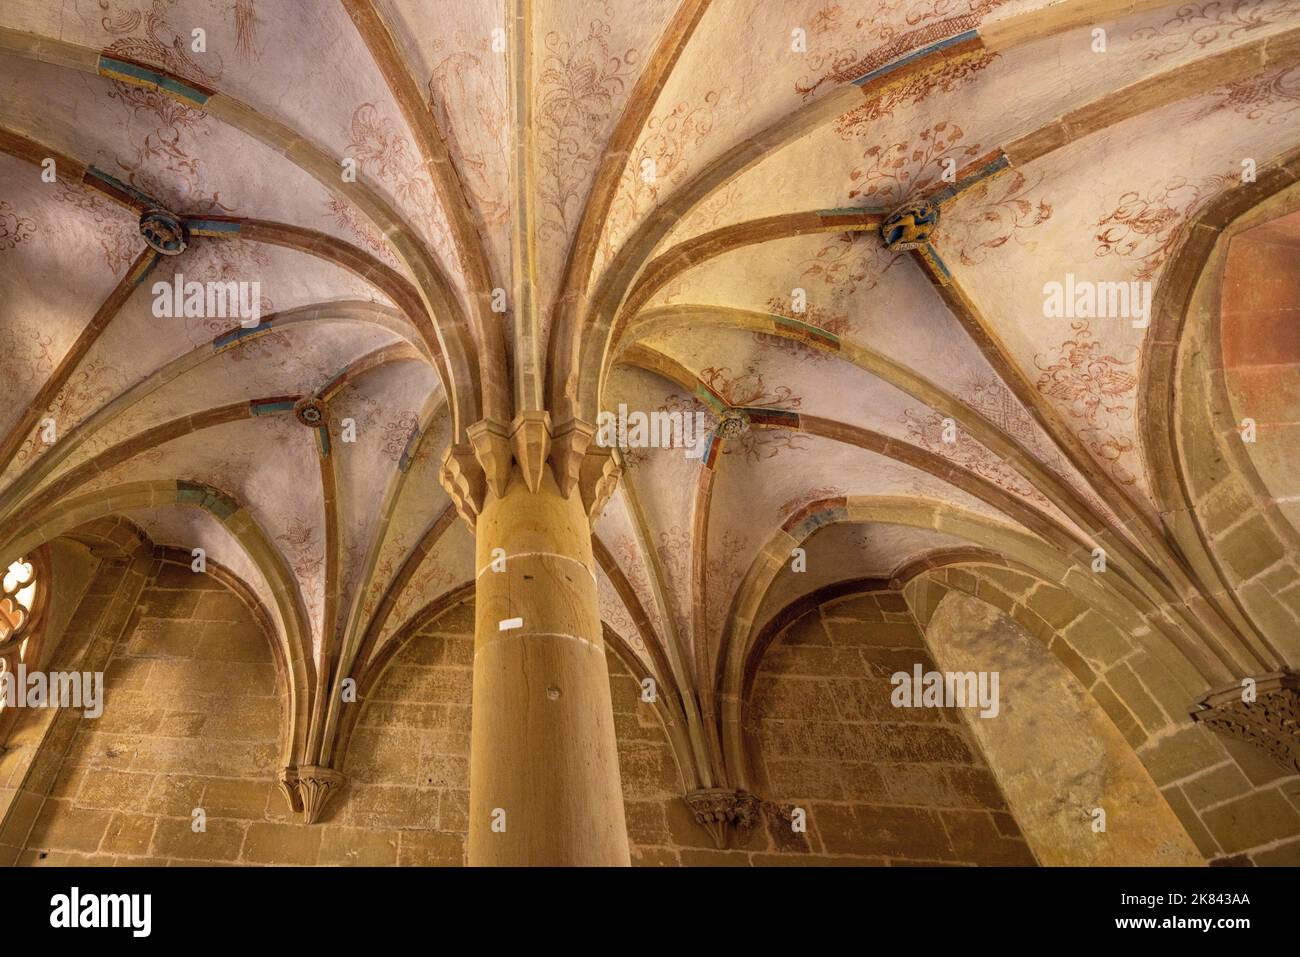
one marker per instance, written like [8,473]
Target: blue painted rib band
[914,56]
[211,227]
[134,73]
[144,199]
[234,335]
[932,257]
[806,330]
[271,408]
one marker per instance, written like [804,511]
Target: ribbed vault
[477,226]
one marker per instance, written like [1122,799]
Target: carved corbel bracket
[491,442]
[463,478]
[597,479]
[718,810]
[288,784]
[530,439]
[569,444]
[1263,711]
[316,785]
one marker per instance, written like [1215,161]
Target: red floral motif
[946,77]
[1095,388]
[26,356]
[232,261]
[119,237]
[467,77]
[928,21]
[14,229]
[165,162]
[1201,24]
[366,234]
[722,575]
[994,213]
[662,150]
[748,389]
[1273,97]
[87,389]
[1143,229]
[892,174]
[674,550]
[397,432]
[847,261]
[926,429]
[381,149]
[579,88]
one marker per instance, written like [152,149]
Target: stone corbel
[718,810]
[530,438]
[1265,713]
[463,478]
[491,443]
[288,784]
[569,444]
[597,479]
[316,785]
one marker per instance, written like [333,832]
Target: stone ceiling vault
[672,205]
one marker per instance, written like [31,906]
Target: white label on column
[509,624]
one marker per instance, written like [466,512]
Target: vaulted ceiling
[679,202]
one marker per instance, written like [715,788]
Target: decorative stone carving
[530,439]
[732,423]
[569,444]
[288,784]
[315,787]
[720,809]
[164,232]
[310,411]
[598,479]
[1271,722]
[911,226]
[491,444]
[463,478]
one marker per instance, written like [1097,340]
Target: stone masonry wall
[193,719]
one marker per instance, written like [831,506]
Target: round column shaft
[544,782]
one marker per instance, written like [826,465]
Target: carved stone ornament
[732,423]
[1271,721]
[910,227]
[164,232]
[720,809]
[288,784]
[315,787]
[310,411]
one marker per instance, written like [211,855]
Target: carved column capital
[468,471]
[1263,711]
[720,809]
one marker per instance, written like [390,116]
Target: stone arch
[1229,797]
[294,633]
[1207,488]
[194,728]
[1059,759]
[735,658]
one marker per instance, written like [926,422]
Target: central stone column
[544,782]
